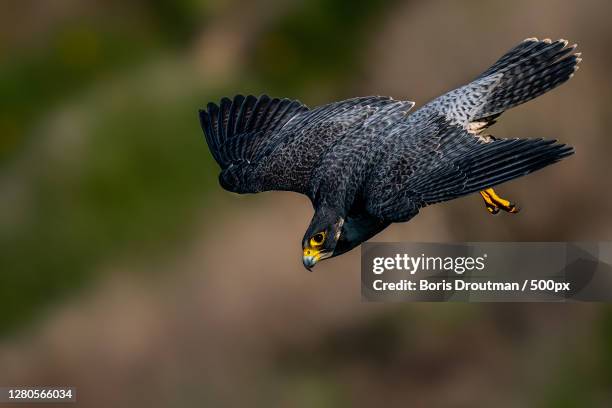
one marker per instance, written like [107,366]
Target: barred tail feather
[529,70]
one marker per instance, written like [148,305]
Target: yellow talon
[494,203]
[490,205]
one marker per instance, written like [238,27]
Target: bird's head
[321,237]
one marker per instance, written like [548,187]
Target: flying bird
[366,162]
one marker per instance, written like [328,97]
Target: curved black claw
[493,210]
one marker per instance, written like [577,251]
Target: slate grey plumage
[365,162]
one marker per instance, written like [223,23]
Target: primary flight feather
[366,162]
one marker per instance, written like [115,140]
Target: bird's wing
[439,152]
[527,71]
[266,144]
[236,130]
[444,163]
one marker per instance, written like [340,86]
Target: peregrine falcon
[366,163]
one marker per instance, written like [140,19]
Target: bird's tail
[527,71]
[488,165]
[235,129]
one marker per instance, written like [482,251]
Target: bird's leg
[494,203]
[491,207]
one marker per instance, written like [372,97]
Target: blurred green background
[127,272]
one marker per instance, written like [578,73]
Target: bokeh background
[127,272]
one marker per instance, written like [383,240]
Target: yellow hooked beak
[311,257]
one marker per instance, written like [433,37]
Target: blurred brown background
[127,272]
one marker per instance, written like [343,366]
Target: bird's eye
[317,239]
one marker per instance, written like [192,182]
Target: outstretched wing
[238,131]
[260,148]
[441,153]
[450,165]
